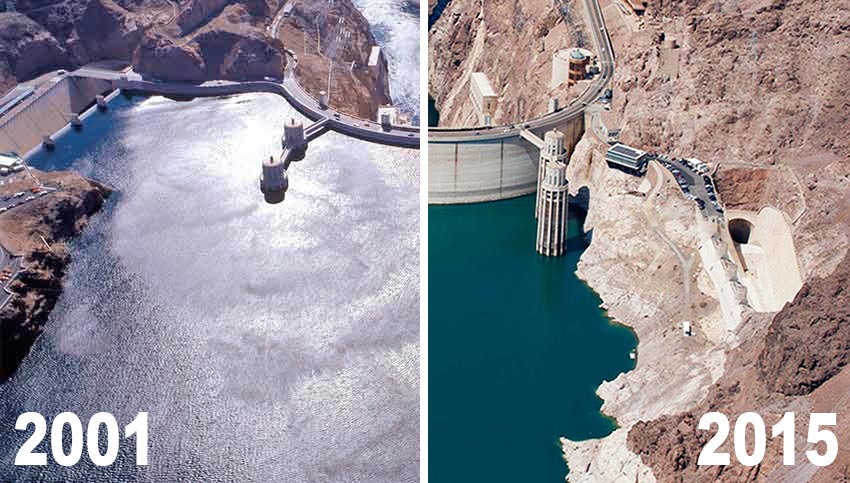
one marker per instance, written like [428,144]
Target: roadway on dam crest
[554,119]
[289,88]
[468,165]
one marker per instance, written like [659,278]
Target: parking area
[19,198]
[695,183]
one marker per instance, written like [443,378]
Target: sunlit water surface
[267,342]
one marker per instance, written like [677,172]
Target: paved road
[289,88]
[694,184]
[604,47]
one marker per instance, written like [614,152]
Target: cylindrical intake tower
[293,138]
[552,197]
[273,181]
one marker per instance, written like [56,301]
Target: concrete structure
[378,66]
[10,163]
[293,139]
[469,165]
[552,207]
[570,66]
[274,181]
[578,66]
[493,166]
[483,97]
[47,109]
[627,158]
[388,116]
[637,6]
[762,245]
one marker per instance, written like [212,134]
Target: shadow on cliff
[579,205]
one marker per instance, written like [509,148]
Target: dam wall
[48,111]
[489,169]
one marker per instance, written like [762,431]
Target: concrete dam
[51,108]
[487,163]
[491,166]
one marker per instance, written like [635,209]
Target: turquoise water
[518,347]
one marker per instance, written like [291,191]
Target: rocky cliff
[192,40]
[26,50]
[755,88]
[58,217]
[513,43]
[197,40]
[333,47]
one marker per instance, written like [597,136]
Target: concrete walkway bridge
[468,165]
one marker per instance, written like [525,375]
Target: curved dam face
[493,168]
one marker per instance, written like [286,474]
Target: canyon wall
[754,88]
[511,42]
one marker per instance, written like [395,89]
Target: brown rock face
[227,46]
[59,217]
[108,31]
[26,49]
[158,55]
[343,40]
[805,346]
[252,58]
[808,342]
[198,12]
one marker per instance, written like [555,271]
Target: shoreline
[59,218]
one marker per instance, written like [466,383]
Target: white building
[10,163]
[483,97]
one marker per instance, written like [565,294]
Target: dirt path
[652,217]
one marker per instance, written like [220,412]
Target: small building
[570,66]
[15,97]
[627,158]
[388,116]
[637,6]
[578,66]
[10,163]
[483,97]
[686,329]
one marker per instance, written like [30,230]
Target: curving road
[401,136]
[604,47]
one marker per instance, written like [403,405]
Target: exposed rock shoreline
[723,96]
[59,218]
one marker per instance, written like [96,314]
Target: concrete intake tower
[552,207]
[274,182]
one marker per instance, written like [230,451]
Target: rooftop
[7,160]
[374,56]
[627,151]
[480,80]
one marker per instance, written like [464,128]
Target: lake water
[267,342]
[517,347]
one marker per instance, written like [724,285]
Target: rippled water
[268,342]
